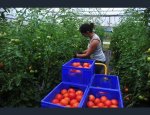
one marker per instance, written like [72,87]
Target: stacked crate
[84,79]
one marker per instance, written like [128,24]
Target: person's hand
[75,55]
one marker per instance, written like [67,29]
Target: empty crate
[105,81]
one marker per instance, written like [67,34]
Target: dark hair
[86,27]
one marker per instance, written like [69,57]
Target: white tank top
[98,54]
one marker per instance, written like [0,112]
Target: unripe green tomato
[148,58]
[31,71]
[148,50]
[141,97]
[145,99]
[35,71]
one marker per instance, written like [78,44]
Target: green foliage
[99,30]
[33,50]
[129,45]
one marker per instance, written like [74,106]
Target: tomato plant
[32,53]
[129,45]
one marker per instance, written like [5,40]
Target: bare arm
[90,50]
[85,51]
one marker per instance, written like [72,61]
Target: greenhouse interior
[40,63]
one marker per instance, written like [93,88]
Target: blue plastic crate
[98,92]
[78,75]
[46,101]
[105,81]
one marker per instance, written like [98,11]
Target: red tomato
[78,98]
[94,106]
[66,95]
[71,90]
[86,64]
[113,106]
[64,102]
[76,64]
[68,106]
[100,105]
[86,67]
[72,95]
[75,105]
[73,70]
[55,101]
[59,96]
[90,104]
[126,89]
[79,92]
[58,103]
[89,65]
[91,98]
[78,71]
[105,106]
[63,91]
[80,66]
[73,101]
[107,103]
[127,98]
[114,102]
[97,101]
[103,98]
[67,98]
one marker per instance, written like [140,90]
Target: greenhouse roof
[103,16]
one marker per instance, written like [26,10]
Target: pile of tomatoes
[102,102]
[81,65]
[68,98]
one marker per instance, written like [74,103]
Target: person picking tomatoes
[94,49]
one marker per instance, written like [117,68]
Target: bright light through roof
[103,16]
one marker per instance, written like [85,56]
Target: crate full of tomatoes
[65,95]
[102,98]
[81,88]
[78,71]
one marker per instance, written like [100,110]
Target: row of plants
[130,46]
[33,49]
